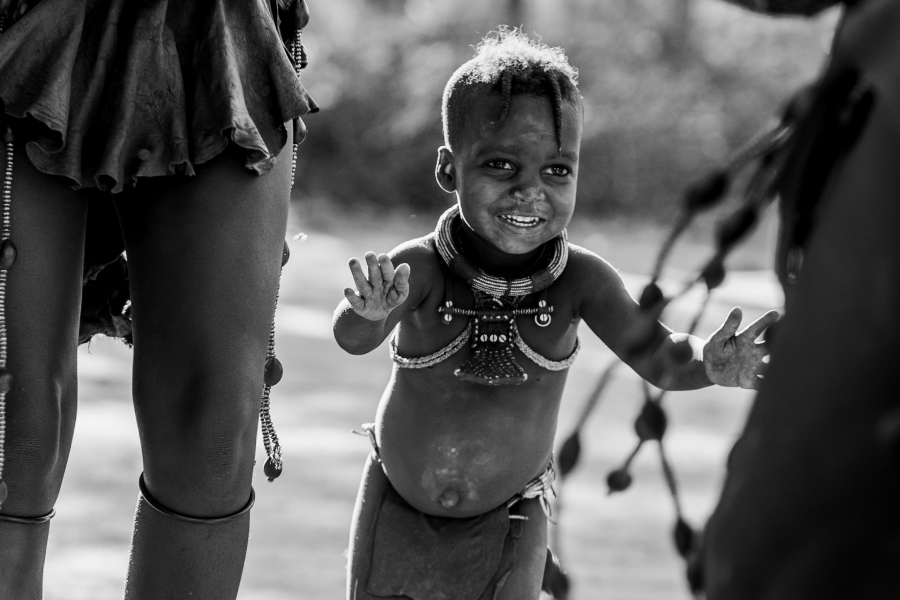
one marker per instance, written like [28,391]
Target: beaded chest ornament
[494,333]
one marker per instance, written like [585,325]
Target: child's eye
[558,171]
[500,164]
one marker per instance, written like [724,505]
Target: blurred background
[671,87]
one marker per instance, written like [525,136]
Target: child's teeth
[517,220]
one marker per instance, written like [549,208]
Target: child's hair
[508,62]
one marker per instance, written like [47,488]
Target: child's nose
[529,194]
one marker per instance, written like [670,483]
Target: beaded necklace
[492,324]
[489,284]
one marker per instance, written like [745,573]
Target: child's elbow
[352,345]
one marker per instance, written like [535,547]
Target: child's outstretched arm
[725,358]
[367,315]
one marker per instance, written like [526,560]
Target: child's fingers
[400,290]
[375,279]
[359,278]
[755,329]
[401,278]
[729,327]
[357,303]
[387,270]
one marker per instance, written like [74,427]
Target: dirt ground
[614,547]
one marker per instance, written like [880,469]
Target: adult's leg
[204,255]
[43,296]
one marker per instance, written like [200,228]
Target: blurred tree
[678,33]
[651,124]
[395,6]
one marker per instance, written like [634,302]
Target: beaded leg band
[28,520]
[154,503]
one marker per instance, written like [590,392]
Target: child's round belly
[461,450]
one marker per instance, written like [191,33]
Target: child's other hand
[384,290]
[736,359]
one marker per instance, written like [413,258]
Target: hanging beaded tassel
[271,376]
[274,370]
[7,258]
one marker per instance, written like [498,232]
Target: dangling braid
[556,102]
[506,81]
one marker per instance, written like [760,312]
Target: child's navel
[449,498]
[448,487]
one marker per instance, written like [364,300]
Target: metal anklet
[154,503]
[29,520]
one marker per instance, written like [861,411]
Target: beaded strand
[7,258]
[274,370]
[298,53]
[271,376]
[7,250]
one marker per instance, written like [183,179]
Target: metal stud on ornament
[543,318]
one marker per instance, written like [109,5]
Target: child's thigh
[524,583]
[204,256]
[42,301]
[372,488]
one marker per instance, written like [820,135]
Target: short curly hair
[507,62]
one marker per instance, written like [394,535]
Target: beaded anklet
[492,324]
[154,503]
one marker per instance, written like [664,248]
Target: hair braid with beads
[508,63]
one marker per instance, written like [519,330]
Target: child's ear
[445,170]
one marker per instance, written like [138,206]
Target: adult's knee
[40,419]
[199,445]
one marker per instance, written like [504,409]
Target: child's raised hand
[736,359]
[384,290]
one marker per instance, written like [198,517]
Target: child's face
[516,190]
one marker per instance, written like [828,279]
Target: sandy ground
[613,546]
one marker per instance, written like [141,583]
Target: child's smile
[516,186]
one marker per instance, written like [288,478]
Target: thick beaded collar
[489,284]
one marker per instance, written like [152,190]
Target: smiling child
[485,313]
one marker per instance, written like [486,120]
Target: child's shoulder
[589,268]
[419,253]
